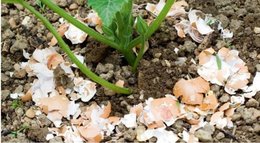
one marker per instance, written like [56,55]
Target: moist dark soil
[157,72]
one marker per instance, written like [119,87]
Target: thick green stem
[73,58]
[101,38]
[129,55]
[140,55]
[155,24]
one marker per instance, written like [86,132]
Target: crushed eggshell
[69,133]
[191,91]
[16,95]
[54,60]
[202,27]
[75,35]
[86,89]
[94,20]
[58,106]
[94,122]
[210,102]
[80,58]
[61,30]
[177,8]
[196,27]
[90,133]
[26,54]
[67,69]
[162,135]
[225,33]
[160,110]
[251,90]
[225,69]
[237,100]
[189,137]
[220,121]
[129,120]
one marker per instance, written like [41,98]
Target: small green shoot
[229,45]
[218,60]
[15,133]
[41,5]
[16,103]
[178,104]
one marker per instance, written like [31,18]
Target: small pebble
[18,89]
[20,73]
[126,73]
[26,21]
[109,92]
[258,67]
[224,98]
[256,128]
[104,68]
[252,103]
[30,113]
[5,94]
[19,112]
[132,80]
[258,56]
[166,63]
[73,6]
[4,77]
[215,88]
[157,55]
[236,117]
[130,135]
[220,136]
[155,60]
[12,23]
[19,45]
[257,30]
[250,115]
[203,135]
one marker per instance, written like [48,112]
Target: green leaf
[10,1]
[107,9]
[109,33]
[141,26]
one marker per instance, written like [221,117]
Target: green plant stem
[74,59]
[140,55]
[155,24]
[101,38]
[129,55]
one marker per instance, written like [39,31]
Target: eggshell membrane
[165,108]
[54,60]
